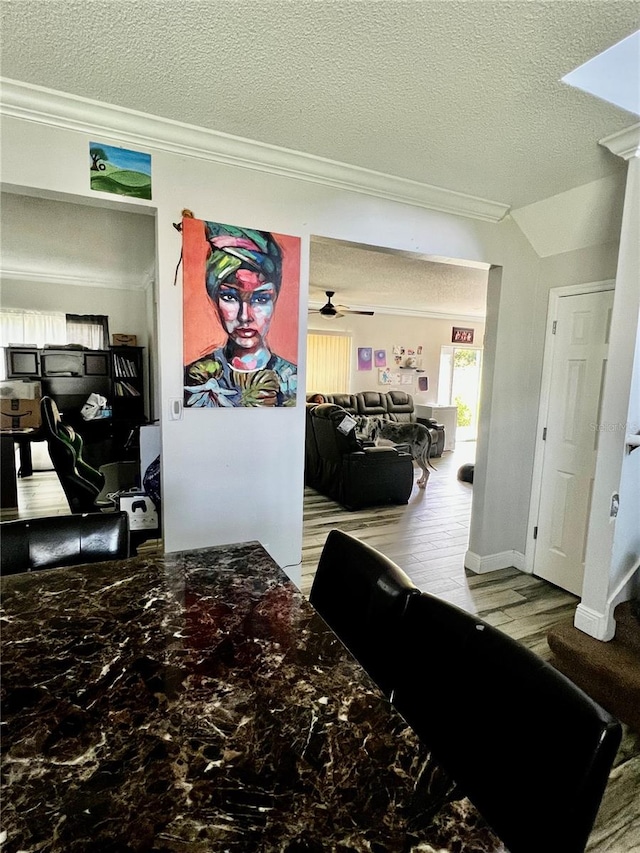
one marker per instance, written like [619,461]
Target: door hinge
[535,532]
[554,327]
[544,434]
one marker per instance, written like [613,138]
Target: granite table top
[196,702]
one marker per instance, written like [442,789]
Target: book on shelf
[124,367]
[125,389]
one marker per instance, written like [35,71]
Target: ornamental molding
[625,143]
[71,112]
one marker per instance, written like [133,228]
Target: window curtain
[35,328]
[88,330]
[328,363]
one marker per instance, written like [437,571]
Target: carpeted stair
[608,672]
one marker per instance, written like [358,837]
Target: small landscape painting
[119,170]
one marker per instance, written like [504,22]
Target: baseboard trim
[493,562]
[600,626]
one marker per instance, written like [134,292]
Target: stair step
[609,672]
[627,616]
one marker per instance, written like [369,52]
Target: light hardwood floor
[428,537]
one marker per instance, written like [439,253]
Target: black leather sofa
[394,405]
[352,472]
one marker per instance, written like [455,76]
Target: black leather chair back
[63,540]
[361,595]
[347,402]
[400,406]
[80,482]
[331,443]
[372,403]
[528,747]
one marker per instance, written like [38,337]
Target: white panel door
[572,430]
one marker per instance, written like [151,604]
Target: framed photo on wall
[461,336]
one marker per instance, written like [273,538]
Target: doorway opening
[459,385]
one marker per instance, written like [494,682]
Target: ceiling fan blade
[331,311]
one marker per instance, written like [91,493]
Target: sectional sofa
[352,472]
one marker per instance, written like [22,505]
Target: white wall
[237,474]
[383,331]
[126,309]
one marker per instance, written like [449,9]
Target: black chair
[63,540]
[350,471]
[361,595]
[528,747]
[85,488]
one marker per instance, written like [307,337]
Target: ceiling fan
[331,310]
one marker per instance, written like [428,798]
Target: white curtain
[35,328]
[89,334]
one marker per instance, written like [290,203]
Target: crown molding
[71,112]
[625,143]
[75,280]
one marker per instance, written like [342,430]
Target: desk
[196,702]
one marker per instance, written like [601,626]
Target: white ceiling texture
[459,94]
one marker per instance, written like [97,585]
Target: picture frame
[461,336]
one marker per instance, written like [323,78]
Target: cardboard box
[140,509]
[20,404]
[121,340]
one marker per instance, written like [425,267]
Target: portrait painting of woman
[240,316]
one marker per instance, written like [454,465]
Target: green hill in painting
[121,181]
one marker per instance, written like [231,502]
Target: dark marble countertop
[195,702]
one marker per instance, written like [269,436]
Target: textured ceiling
[363,277]
[461,94]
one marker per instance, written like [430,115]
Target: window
[89,330]
[459,385]
[328,363]
[39,328]
[31,328]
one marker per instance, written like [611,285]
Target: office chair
[85,488]
[63,540]
[530,749]
[361,595]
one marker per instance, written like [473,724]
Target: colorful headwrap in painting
[235,248]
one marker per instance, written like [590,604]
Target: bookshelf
[128,384]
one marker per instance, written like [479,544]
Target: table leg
[26,461]
[9,488]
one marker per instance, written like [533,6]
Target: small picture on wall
[365,356]
[461,336]
[380,358]
[119,170]
[386,376]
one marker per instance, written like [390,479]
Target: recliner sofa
[394,405]
[353,473]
